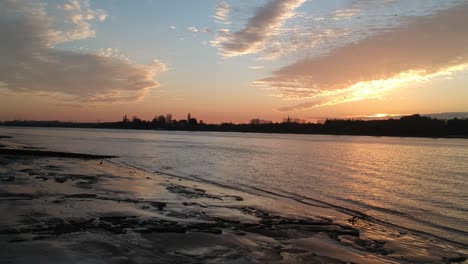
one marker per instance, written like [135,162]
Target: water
[417,183]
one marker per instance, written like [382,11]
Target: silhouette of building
[169,118]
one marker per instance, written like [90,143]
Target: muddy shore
[75,208]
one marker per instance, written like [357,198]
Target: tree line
[412,126]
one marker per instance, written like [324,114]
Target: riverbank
[68,209]
[405,126]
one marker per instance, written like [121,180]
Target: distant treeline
[412,126]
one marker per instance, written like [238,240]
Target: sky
[231,60]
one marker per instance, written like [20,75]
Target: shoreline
[105,204]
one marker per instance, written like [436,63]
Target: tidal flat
[80,209]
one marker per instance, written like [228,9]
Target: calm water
[417,183]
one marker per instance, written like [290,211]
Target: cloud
[196,30]
[264,24]
[193,29]
[172,27]
[207,30]
[31,65]
[313,30]
[375,89]
[112,53]
[256,67]
[75,21]
[420,49]
[346,13]
[222,12]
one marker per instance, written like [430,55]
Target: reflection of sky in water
[415,182]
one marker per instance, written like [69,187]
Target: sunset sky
[231,60]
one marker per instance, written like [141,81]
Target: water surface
[417,183]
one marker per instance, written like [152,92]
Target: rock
[216,231]
[9,179]
[16,240]
[239,233]
[458,259]
[82,195]
[159,205]
[60,179]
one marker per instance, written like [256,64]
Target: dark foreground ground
[82,209]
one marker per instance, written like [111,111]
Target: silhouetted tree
[414,126]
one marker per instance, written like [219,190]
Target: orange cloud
[420,49]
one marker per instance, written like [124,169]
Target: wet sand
[76,209]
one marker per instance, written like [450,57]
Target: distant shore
[408,126]
[68,208]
